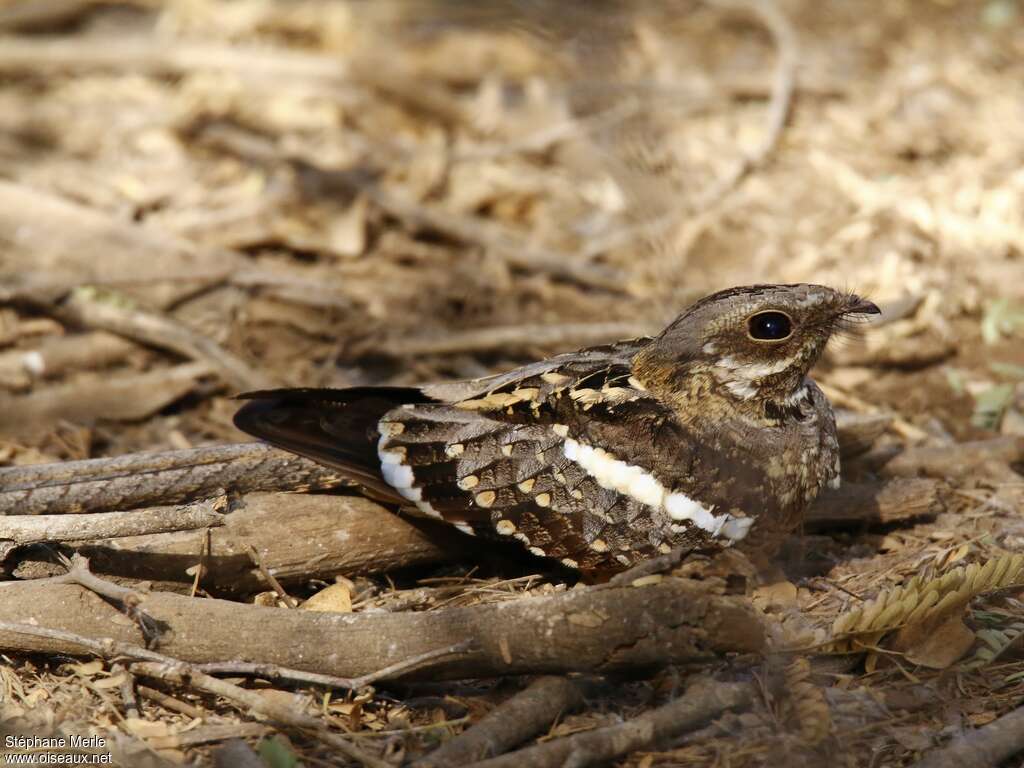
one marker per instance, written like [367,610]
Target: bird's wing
[572,457]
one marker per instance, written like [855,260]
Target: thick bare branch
[146,479]
[602,630]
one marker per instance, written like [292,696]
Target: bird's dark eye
[770,326]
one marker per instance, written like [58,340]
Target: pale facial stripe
[398,474]
[616,475]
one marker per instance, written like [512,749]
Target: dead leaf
[87,668]
[781,594]
[336,597]
[935,646]
[147,729]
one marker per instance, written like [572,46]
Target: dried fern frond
[922,599]
[810,708]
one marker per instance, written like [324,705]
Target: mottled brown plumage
[708,434]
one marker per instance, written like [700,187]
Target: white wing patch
[397,473]
[616,475]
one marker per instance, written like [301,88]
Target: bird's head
[753,345]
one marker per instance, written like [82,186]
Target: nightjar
[709,434]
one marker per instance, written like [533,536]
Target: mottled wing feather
[497,462]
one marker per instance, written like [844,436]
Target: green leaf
[1001,318]
[990,404]
[276,753]
[955,379]
[1008,369]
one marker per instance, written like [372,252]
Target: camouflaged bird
[709,434]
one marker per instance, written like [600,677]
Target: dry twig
[142,479]
[159,331]
[703,701]
[987,747]
[511,723]
[19,530]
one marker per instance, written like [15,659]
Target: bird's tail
[334,427]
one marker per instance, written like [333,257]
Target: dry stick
[274,672]
[779,108]
[298,536]
[582,630]
[521,717]
[19,530]
[957,459]
[703,701]
[783,86]
[54,356]
[130,600]
[171,670]
[985,747]
[145,56]
[53,244]
[515,337]
[128,397]
[128,693]
[159,331]
[886,502]
[160,666]
[143,479]
[252,702]
[268,577]
[168,702]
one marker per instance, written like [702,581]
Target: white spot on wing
[399,475]
[635,482]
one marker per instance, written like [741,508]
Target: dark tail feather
[334,427]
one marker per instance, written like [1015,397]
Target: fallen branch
[149,479]
[878,503]
[126,397]
[298,537]
[703,701]
[602,630]
[159,331]
[252,702]
[19,530]
[956,459]
[177,672]
[145,56]
[783,87]
[858,431]
[513,337]
[19,368]
[53,244]
[987,747]
[529,712]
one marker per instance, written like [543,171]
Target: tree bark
[599,629]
